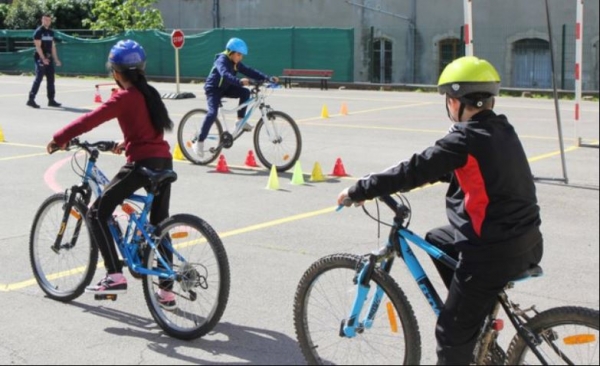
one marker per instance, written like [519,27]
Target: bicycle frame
[257,99]
[398,243]
[138,228]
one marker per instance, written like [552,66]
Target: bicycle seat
[158,178]
[535,271]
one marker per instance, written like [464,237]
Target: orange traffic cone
[222,165]
[250,161]
[338,169]
[97,96]
[344,109]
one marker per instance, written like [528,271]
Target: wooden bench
[306,74]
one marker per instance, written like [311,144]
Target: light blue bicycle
[183,252]
[349,310]
[277,139]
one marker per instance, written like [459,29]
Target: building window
[382,61]
[532,66]
[449,50]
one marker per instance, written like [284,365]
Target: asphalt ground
[272,236]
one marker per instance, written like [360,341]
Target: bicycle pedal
[99,297]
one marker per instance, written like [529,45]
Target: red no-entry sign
[177,39]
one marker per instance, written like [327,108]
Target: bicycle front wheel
[202,281]
[569,336]
[62,269]
[188,132]
[323,302]
[277,141]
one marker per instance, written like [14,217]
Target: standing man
[45,57]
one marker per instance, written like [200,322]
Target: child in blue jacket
[222,82]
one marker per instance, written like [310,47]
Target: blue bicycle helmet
[127,55]
[237,45]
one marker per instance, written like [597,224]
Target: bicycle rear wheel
[188,131]
[202,286]
[65,270]
[323,300]
[569,335]
[277,141]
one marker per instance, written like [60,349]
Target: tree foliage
[24,14]
[3,13]
[116,16]
[66,14]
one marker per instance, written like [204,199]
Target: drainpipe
[216,14]
[412,35]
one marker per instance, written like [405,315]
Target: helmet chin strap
[461,110]
[465,101]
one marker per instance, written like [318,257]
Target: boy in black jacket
[491,203]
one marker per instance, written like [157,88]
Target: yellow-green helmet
[468,75]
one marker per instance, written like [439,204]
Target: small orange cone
[250,161]
[344,109]
[338,169]
[97,96]
[222,165]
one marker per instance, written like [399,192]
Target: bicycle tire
[274,150]
[198,309]
[322,344]
[65,274]
[188,131]
[566,323]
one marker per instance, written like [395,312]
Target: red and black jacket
[491,197]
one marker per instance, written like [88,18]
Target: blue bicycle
[183,249]
[349,310]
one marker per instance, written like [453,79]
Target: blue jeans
[40,71]
[214,102]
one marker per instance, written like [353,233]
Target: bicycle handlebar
[400,209]
[88,146]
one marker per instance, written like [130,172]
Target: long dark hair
[156,107]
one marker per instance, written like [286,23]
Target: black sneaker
[32,103]
[53,103]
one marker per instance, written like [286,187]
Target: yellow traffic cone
[317,173]
[1,135]
[273,182]
[344,109]
[177,154]
[298,177]
[324,112]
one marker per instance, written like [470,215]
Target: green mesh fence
[270,50]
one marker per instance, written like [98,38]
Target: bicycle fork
[350,327]
[68,211]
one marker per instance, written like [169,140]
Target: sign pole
[177,41]
[177,69]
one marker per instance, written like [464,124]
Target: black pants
[42,70]
[123,185]
[472,293]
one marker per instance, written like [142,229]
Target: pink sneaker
[111,284]
[166,299]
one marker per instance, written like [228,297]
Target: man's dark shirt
[46,35]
